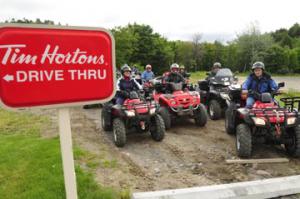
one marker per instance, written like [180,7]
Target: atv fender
[243,113]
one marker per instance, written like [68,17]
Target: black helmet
[217,65]
[125,68]
[258,64]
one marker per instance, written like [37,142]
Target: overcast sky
[178,19]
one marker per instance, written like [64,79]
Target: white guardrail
[267,188]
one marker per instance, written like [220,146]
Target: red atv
[179,103]
[266,122]
[134,113]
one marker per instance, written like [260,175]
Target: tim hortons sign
[55,66]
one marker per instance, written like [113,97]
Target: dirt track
[188,156]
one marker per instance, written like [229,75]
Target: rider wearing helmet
[258,81]
[148,74]
[174,75]
[183,72]
[214,69]
[126,84]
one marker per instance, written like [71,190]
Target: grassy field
[31,167]
[196,76]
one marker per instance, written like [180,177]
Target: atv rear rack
[290,102]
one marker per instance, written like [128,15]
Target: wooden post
[67,153]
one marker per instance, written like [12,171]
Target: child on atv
[125,85]
[258,82]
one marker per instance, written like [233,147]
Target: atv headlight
[259,121]
[291,120]
[195,99]
[173,102]
[130,113]
[152,111]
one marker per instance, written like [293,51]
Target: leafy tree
[251,47]
[275,58]
[294,31]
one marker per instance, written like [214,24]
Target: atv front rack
[290,102]
[273,115]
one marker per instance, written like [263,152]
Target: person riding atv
[261,119]
[176,102]
[214,92]
[147,74]
[126,84]
[131,111]
[214,69]
[173,76]
[259,82]
[183,72]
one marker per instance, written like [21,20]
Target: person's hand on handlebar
[244,94]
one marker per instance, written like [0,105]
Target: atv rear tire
[105,120]
[119,132]
[164,112]
[157,128]
[214,110]
[294,148]
[243,141]
[200,115]
[229,120]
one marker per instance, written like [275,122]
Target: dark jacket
[124,86]
[262,85]
[174,77]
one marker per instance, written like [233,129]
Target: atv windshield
[223,77]
[225,72]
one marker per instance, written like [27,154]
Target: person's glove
[244,94]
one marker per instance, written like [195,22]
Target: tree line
[138,45]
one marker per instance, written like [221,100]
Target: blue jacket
[262,85]
[146,76]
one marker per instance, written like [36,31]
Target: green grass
[31,167]
[289,93]
[196,76]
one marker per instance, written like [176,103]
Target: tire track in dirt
[188,156]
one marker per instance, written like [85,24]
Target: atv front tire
[105,119]
[157,128]
[164,112]
[214,110]
[293,149]
[119,132]
[230,120]
[200,115]
[243,141]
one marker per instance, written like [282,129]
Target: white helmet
[174,65]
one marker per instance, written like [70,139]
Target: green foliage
[294,31]
[139,45]
[31,167]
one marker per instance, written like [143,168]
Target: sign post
[56,67]
[67,153]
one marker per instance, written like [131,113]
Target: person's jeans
[249,102]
